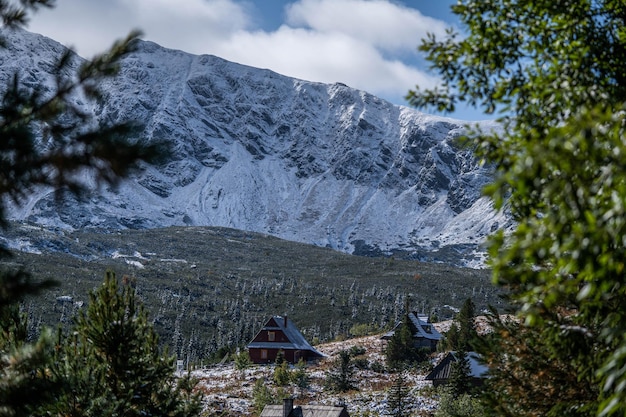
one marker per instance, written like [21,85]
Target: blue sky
[367,44]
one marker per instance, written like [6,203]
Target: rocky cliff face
[258,151]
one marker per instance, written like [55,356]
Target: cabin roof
[421,327]
[296,339]
[443,369]
[304,411]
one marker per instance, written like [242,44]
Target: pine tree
[280,357]
[467,326]
[261,396]
[465,405]
[398,397]
[242,361]
[282,374]
[452,337]
[112,365]
[341,377]
[23,372]
[80,377]
[299,375]
[400,350]
[460,377]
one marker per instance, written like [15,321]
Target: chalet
[279,333]
[440,374]
[288,410]
[424,333]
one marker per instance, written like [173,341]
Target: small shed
[440,374]
[288,410]
[280,333]
[424,333]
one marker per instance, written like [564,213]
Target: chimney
[285,321]
[287,406]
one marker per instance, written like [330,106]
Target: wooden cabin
[424,333]
[288,410]
[280,333]
[440,375]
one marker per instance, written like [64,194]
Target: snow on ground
[21,244]
[229,390]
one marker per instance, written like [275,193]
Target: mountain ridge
[255,150]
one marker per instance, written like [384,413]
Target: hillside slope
[208,288]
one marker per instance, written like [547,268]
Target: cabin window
[271,336]
[263,353]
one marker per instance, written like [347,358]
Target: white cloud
[214,17]
[383,24]
[366,44]
[213,10]
[92,25]
[324,57]
[89,26]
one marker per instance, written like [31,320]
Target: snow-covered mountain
[258,151]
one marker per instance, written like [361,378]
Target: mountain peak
[259,151]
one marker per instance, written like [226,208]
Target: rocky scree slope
[254,150]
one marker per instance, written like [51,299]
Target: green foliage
[221,354]
[362,329]
[242,360]
[15,285]
[452,337]
[261,396]
[24,373]
[359,361]
[16,15]
[399,398]
[280,358]
[556,71]
[378,367]
[560,387]
[111,364]
[460,378]
[400,347]
[13,327]
[464,405]
[299,375]
[357,350]
[462,332]
[340,378]
[282,374]
[467,326]
[433,317]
